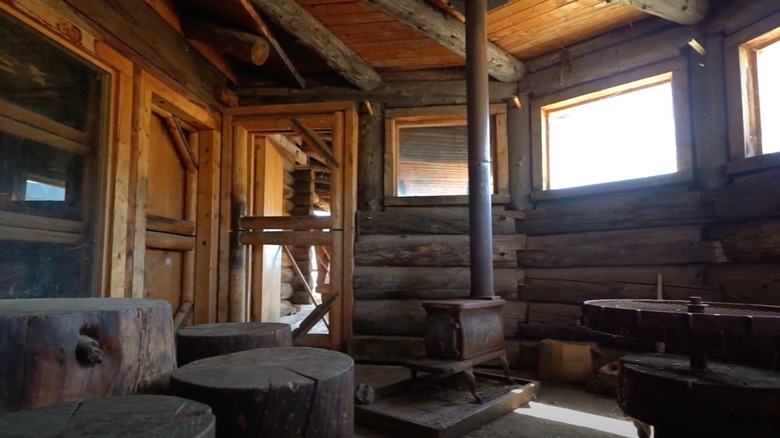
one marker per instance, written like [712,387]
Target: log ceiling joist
[298,22]
[684,12]
[243,14]
[450,33]
[245,46]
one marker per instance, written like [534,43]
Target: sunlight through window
[623,136]
[577,418]
[768,66]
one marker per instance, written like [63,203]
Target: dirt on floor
[559,411]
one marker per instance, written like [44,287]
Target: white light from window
[38,191]
[768,66]
[627,136]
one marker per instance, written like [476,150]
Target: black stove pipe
[480,214]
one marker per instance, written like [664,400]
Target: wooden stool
[61,349]
[209,340]
[148,416]
[273,392]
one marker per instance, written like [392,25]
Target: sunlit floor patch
[577,418]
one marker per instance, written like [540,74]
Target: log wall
[713,230]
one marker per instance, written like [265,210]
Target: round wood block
[63,349]
[274,392]
[722,400]
[148,416]
[209,340]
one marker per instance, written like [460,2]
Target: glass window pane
[433,160]
[768,65]
[39,76]
[627,136]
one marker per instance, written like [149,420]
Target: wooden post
[371,158]
[239,207]
[519,133]
[207,231]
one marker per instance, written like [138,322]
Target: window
[428,151]
[630,127]
[50,106]
[613,135]
[759,61]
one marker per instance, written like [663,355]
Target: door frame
[238,124]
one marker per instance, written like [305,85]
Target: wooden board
[445,408]
[166,178]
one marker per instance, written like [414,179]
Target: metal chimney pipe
[480,215]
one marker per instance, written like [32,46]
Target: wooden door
[170,212]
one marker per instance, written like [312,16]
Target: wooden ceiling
[380,43]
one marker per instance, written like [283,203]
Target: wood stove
[462,333]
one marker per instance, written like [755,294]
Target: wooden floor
[560,410]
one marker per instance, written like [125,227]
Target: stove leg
[472,385]
[505,365]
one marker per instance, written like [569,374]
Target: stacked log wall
[714,232]
[286,307]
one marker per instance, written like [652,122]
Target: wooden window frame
[112,144]
[395,119]
[607,87]
[745,154]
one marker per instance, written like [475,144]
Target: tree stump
[209,340]
[63,349]
[274,392]
[148,416]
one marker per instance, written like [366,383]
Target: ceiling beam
[244,46]
[242,14]
[685,12]
[298,22]
[450,33]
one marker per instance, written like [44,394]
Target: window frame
[397,118]
[603,88]
[742,104]
[112,139]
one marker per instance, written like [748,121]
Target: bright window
[768,72]
[617,134]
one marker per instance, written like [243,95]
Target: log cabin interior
[251,161]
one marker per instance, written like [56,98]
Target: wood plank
[299,223]
[171,242]
[21,220]
[207,232]
[44,236]
[170,225]
[692,12]
[519,154]
[388,282]
[294,19]
[428,220]
[291,151]
[292,238]
[350,120]
[314,142]
[432,250]
[239,206]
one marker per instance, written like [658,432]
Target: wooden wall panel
[166,179]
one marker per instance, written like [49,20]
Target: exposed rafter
[450,33]
[243,14]
[298,22]
[685,12]
[244,46]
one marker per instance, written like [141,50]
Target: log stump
[62,349]
[274,392]
[148,416]
[209,340]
